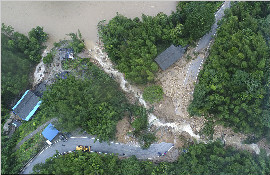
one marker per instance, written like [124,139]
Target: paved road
[194,67]
[34,132]
[193,70]
[104,147]
[205,40]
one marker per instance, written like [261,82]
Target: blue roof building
[26,107]
[50,132]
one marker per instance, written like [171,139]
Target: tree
[232,85]
[93,103]
[153,93]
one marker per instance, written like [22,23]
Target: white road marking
[78,137]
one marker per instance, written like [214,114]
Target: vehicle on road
[83,148]
[62,137]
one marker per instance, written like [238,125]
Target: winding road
[122,149]
[205,40]
[204,43]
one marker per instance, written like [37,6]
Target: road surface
[205,40]
[103,147]
[195,65]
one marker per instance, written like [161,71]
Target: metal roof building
[170,56]
[27,105]
[50,132]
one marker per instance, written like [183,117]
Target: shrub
[153,94]
[146,139]
[48,59]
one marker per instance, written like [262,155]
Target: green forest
[93,103]
[133,44]
[19,54]
[212,158]
[90,99]
[233,87]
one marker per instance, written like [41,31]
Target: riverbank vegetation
[19,54]
[133,44]
[31,45]
[233,86]
[212,158]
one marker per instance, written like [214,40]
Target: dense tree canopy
[197,17]
[233,84]
[18,57]
[93,103]
[15,71]
[31,46]
[201,158]
[133,44]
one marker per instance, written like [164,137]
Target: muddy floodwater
[60,18]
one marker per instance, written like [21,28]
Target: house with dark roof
[40,88]
[26,107]
[170,56]
[50,132]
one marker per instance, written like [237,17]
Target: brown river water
[62,17]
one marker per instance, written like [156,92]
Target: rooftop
[27,105]
[40,89]
[50,132]
[170,56]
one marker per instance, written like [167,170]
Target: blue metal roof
[50,132]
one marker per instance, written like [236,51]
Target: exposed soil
[173,108]
[170,156]
[123,129]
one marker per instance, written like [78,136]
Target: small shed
[170,56]
[50,132]
[26,107]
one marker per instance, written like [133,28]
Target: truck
[83,148]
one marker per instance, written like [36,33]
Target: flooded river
[60,18]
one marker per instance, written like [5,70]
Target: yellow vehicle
[83,148]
